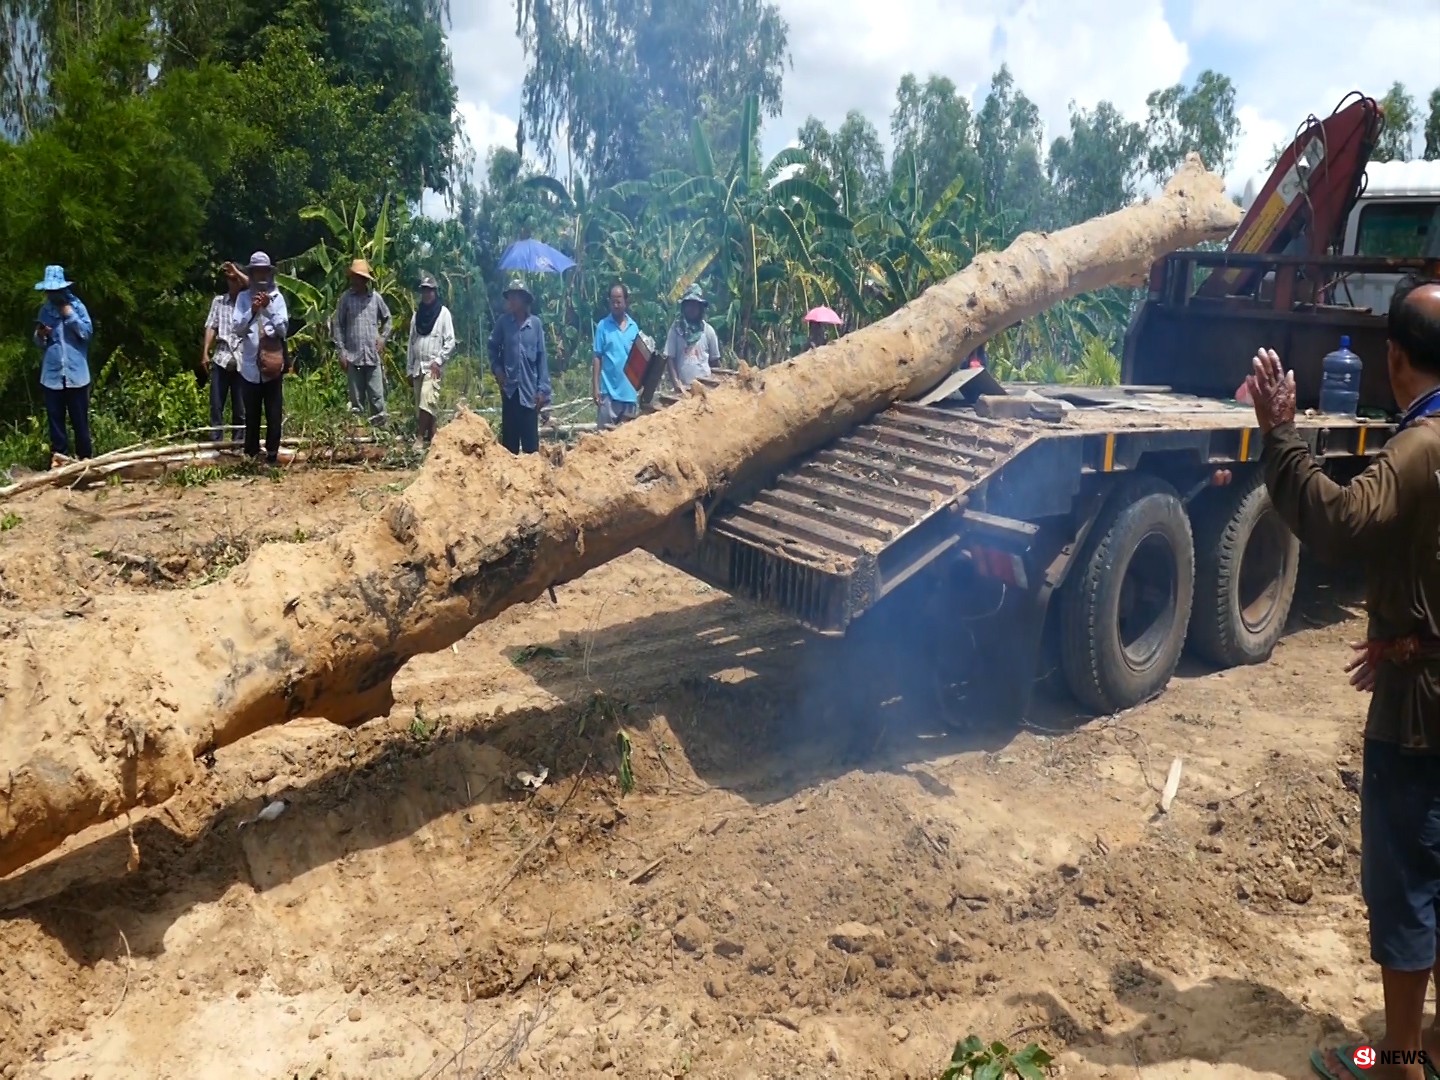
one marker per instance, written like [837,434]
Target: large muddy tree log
[110,711]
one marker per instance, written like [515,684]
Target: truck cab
[1391,219]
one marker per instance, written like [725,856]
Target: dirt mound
[784,891]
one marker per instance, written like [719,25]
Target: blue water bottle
[1340,386]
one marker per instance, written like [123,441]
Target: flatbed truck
[1133,525]
[1117,526]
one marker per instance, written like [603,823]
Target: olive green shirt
[1388,520]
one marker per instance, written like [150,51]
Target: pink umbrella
[824,316]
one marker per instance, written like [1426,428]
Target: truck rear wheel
[1126,606]
[1246,562]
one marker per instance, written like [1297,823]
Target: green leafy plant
[975,1060]
[627,773]
[10,521]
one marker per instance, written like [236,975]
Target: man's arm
[78,321]
[212,325]
[276,316]
[447,336]
[1336,520]
[672,350]
[542,375]
[242,318]
[1339,521]
[495,346]
[385,324]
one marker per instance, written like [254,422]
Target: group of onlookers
[245,356]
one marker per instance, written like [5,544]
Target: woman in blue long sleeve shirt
[62,331]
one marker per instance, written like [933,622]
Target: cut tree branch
[110,711]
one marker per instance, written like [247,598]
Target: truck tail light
[1001,565]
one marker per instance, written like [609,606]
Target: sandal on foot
[1346,1057]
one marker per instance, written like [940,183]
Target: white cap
[258,259]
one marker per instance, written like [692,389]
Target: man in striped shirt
[220,356]
[361,327]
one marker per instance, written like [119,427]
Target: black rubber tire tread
[1094,666]
[1223,527]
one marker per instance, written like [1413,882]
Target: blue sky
[1288,58]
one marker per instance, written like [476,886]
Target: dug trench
[826,864]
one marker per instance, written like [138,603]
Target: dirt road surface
[814,874]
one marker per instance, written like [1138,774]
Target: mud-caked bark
[109,711]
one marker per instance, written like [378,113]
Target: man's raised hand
[1272,390]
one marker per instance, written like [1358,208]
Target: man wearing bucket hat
[521,367]
[262,321]
[692,347]
[62,331]
[432,341]
[361,328]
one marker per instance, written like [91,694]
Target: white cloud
[1288,58]
[1292,58]
[851,54]
[1259,136]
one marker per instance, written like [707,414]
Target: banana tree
[318,277]
[756,220]
[906,246]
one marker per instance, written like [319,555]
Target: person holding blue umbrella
[521,369]
[62,331]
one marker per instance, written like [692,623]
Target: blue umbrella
[534,257]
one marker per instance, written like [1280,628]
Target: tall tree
[1432,127]
[114,186]
[1007,142]
[1401,118]
[850,158]
[933,122]
[611,82]
[1095,168]
[1201,119]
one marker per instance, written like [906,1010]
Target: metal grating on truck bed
[840,529]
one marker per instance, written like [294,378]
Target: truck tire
[1125,609]
[1246,561]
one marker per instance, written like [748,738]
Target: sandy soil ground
[801,882]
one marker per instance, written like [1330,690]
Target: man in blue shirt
[520,366]
[62,331]
[615,398]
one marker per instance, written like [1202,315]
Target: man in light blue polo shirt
[615,399]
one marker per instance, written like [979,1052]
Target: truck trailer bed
[843,527]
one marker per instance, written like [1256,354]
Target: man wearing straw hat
[520,366]
[62,331]
[361,327]
[432,341]
[692,347]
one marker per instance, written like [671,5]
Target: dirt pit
[789,889]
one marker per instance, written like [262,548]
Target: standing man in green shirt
[1388,520]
